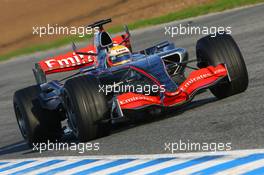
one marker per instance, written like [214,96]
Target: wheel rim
[21,121]
[70,114]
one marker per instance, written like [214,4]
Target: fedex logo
[69,61]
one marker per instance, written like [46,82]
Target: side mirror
[128,34]
[127,30]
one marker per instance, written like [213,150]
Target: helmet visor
[119,59]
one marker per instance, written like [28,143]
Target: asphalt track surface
[238,119]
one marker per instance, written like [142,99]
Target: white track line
[84,167]
[160,166]
[120,167]
[57,165]
[243,168]
[5,165]
[203,165]
[179,158]
[23,167]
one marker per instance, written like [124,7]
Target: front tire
[86,108]
[35,124]
[223,49]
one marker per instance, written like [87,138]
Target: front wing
[197,80]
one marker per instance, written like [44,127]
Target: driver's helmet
[118,55]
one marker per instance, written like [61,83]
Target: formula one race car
[113,82]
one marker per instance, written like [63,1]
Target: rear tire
[223,49]
[86,108]
[35,124]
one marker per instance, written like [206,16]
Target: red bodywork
[197,80]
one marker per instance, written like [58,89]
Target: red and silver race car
[114,83]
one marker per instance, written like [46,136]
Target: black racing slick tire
[35,123]
[86,108]
[223,49]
